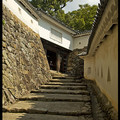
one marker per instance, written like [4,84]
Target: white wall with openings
[80,42]
[19,10]
[106,60]
[56,35]
[45,32]
[89,68]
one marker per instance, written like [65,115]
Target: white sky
[74,5]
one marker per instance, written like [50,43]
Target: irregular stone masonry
[24,62]
[105,104]
[75,66]
[55,105]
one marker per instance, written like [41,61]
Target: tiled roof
[99,13]
[83,32]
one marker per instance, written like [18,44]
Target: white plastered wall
[80,42]
[106,62]
[104,67]
[89,68]
[45,32]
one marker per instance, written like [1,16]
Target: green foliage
[50,6]
[60,15]
[3,22]
[80,20]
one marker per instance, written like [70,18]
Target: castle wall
[24,63]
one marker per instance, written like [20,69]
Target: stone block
[4,99]
[4,66]
[15,46]
[7,82]
[25,72]
[4,44]
[9,48]
[4,53]
[11,22]
[3,37]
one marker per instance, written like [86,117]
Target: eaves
[80,34]
[29,8]
[107,17]
[100,11]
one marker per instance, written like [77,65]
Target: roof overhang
[82,34]
[102,27]
[51,45]
[27,5]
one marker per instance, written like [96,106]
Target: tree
[50,6]
[80,20]
[60,15]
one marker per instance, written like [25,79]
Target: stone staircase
[62,98]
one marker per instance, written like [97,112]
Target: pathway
[60,99]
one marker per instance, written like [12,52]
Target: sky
[74,5]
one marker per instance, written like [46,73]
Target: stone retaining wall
[75,66]
[24,63]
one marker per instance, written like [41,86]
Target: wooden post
[58,61]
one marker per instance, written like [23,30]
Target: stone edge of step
[82,92]
[64,87]
[45,111]
[54,99]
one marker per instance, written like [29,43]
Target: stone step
[55,73]
[71,77]
[65,84]
[66,80]
[63,87]
[54,108]
[60,91]
[58,77]
[24,116]
[63,77]
[56,97]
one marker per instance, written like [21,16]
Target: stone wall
[75,65]
[24,63]
[104,102]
